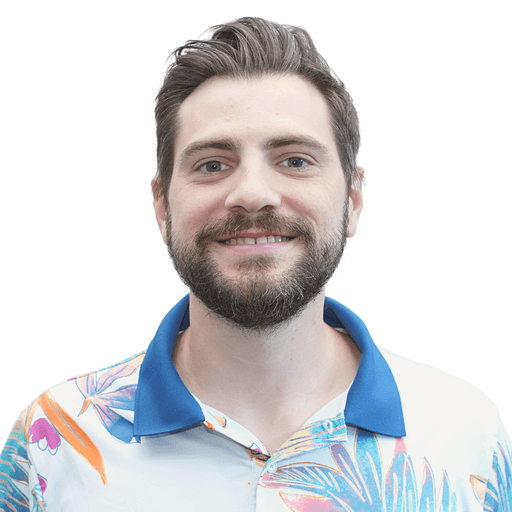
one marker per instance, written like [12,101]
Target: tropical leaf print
[13,470]
[369,466]
[314,436]
[359,485]
[111,374]
[495,499]
[479,487]
[37,499]
[14,476]
[316,503]
[93,389]
[58,425]
[329,489]
[400,486]
[428,489]
[72,433]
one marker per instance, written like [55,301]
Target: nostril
[252,197]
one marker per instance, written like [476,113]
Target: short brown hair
[243,48]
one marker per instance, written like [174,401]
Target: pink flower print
[44,434]
[42,483]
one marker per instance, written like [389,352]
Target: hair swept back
[251,47]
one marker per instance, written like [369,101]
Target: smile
[256,241]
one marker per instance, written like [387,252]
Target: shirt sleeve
[20,486]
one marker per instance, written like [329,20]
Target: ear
[160,206]
[355,201]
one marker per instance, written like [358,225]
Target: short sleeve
[20,487]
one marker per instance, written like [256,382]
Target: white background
[85,277]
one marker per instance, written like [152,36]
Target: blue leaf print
[359,486]
[13,470]
[401,494]
[428,490]
[495,499]
[370,467]
[93,389]
[444,506]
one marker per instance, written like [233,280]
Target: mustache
[236,223]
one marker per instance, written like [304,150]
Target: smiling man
[257,210]
[258,392]
[255,219]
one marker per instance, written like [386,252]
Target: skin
[271,381]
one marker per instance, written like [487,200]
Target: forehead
[252,109]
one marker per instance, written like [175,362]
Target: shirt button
[272,467]
[328,426]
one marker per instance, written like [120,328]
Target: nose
[253,189]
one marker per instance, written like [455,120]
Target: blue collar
[164,404]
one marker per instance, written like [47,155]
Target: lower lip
[255,248]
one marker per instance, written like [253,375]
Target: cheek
[320,209]
[191,211]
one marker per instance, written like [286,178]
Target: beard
[257,300]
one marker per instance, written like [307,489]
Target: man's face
[258,210]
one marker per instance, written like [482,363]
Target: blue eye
[295,162]
[212,167]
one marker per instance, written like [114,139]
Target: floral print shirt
[404,437]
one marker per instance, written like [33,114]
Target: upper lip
[252,234]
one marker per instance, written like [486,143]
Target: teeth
[261,240]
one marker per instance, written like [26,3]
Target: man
[258,392]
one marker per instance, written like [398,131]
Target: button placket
[272,468]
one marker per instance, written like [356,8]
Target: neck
[280,376]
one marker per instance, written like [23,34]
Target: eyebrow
[230,144]
[294,140]
[201,145]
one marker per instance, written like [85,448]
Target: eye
[212,167]
[295,162]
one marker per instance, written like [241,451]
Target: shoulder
[425,384]
[106,389]
[434,399]
[69,424]
[102,378]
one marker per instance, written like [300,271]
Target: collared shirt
[404,437]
